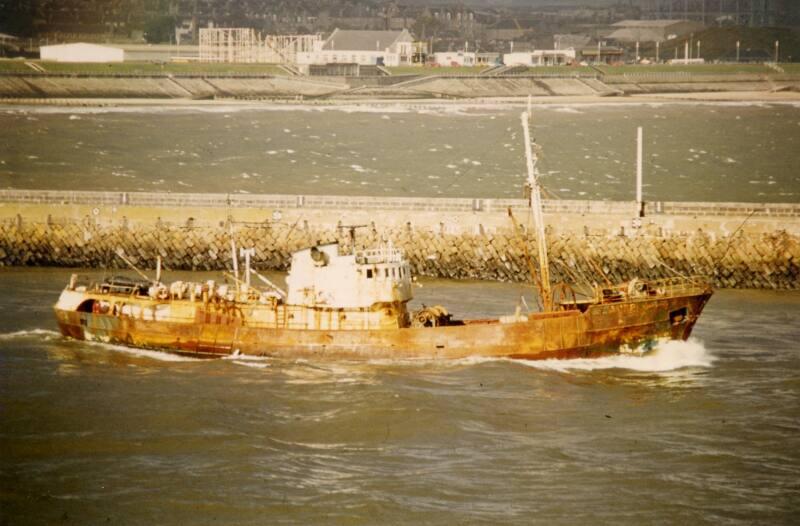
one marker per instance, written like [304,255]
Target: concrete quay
[736,245]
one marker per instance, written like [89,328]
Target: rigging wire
[733,236]
[596,268]
[663,264]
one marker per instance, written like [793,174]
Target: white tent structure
[80,52]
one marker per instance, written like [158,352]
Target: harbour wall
[736,245]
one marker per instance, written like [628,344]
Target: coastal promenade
[46,87]
[737,245]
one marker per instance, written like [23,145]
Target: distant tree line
[160,29]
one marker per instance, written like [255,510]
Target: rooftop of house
[632,34]
[352,40]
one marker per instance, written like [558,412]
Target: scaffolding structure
[243,45]
[284,48]
[237,45]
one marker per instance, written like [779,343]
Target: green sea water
[701,432]
[693,152]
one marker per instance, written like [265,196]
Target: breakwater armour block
[765,259]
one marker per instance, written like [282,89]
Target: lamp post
[639,203]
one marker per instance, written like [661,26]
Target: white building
[81,52]
[366,48]
[553,57]
[518,59]
[454,58]
[540,57]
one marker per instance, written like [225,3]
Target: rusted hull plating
[602,329]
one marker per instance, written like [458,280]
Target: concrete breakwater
[452,238]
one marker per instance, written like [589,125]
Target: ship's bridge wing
[320,276]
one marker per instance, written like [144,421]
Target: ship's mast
[535,202]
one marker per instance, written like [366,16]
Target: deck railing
[665,287]
[380,255]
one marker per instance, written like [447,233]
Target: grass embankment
[476,70]
[14,66]
[630,69]
[694,69]
[437,70]
[142,68]
[559,70]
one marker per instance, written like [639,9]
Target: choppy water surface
[702,432]
[693,152]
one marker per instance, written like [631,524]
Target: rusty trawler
[353,304]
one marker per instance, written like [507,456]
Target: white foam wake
[250,363]
[666,356]
[161,356]
[257,362]
[237,356]
[43,334]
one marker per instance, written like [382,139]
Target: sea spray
[248,363]
[43,334]
[256,362]
[666,356]
[160,356]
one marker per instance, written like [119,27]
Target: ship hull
[602,329]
